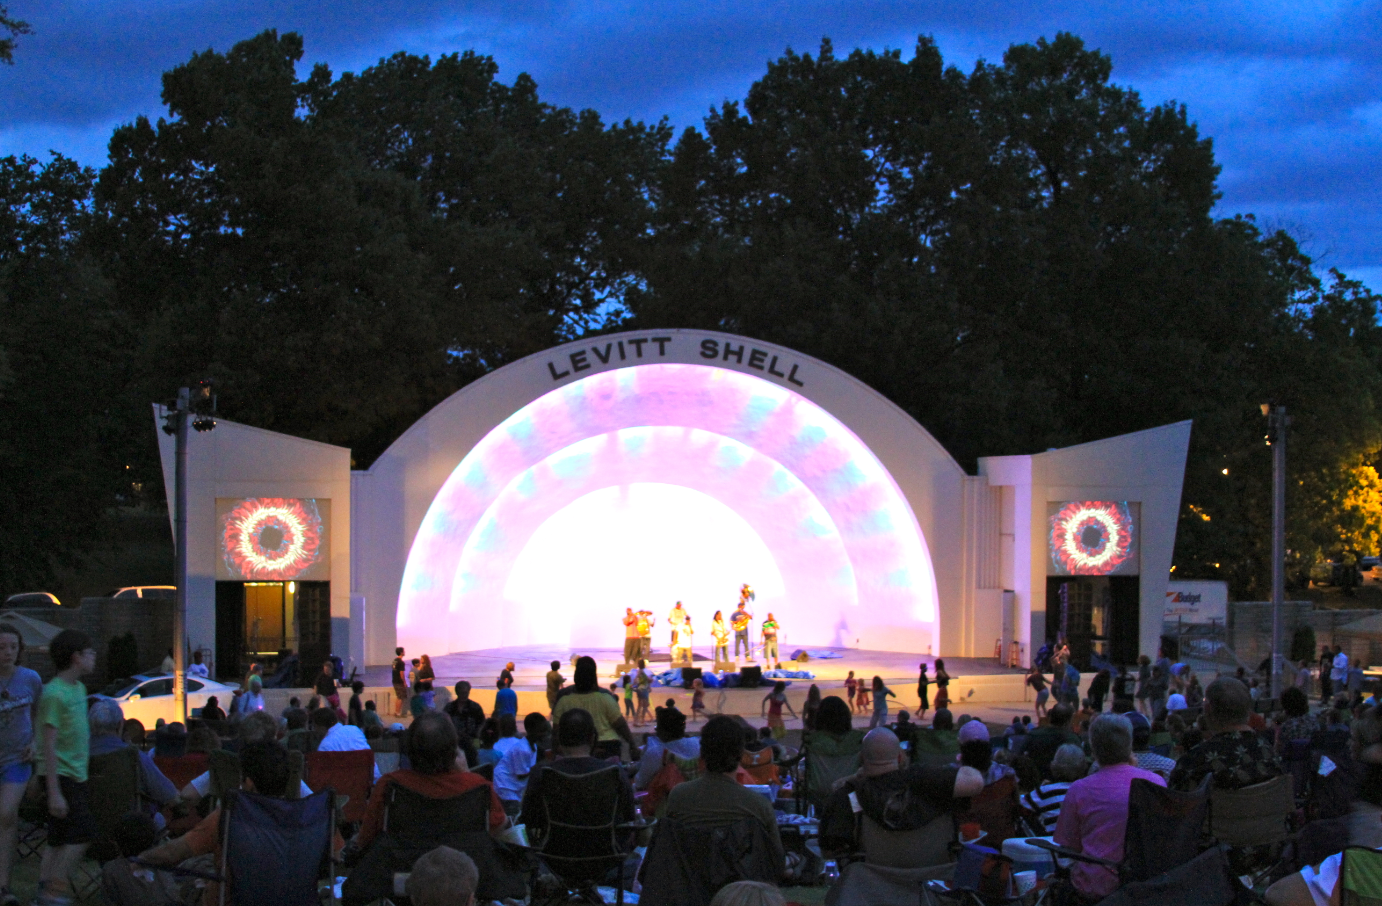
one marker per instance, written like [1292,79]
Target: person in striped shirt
[1044,802]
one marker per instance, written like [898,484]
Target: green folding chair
[1361,875]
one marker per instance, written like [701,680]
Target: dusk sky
[1290,93]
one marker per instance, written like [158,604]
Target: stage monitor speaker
[689,675]
[750,677]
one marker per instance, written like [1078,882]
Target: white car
[149,696]
[166,592]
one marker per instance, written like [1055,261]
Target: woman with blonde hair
[749,893]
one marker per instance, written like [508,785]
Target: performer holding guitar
[720,633]
[645,632]
[740,620]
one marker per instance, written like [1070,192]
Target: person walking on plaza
[398,675]
[1338,671]
[1037,680]
[63,751]
[942,686]
[923,684]
[1326,672]
[633,643]
[881,694]
[770,655]
[554,683]
[720,633]
[20,691]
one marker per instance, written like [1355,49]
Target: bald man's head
[881,753]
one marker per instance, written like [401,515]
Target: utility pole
[175,422]
[1277,418]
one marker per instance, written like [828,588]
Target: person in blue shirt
[505,700]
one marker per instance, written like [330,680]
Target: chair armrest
[646,824]
[1072,854]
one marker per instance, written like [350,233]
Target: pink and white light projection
[647,485]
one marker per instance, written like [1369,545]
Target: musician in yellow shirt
[720,633]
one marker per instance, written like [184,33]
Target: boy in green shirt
[63,750]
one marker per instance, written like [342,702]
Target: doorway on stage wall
[1098,616]
[264,622]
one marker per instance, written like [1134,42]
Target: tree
[15,28]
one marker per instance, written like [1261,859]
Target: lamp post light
[191,407]
[1278,420]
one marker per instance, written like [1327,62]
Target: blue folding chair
[276,850]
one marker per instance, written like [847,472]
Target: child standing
[697,699]
[628,699]
[880,703]
[774,702]
[644,684]
[64,747]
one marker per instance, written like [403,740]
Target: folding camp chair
[1360,877]
[579,847]
[996,809]
[1254,821]
[348,773]
[113,791]
[415,824]
[276,850]
[687,864]
[184,769]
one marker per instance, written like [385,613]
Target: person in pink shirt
[1094,814]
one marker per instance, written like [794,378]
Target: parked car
[145,591]
[149,696]
[33,599]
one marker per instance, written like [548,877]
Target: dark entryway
[264,621]
[1097,615]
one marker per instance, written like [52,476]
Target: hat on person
[974,731]
[880,752]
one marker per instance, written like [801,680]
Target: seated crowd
[893,797]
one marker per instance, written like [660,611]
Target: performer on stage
[681,641]
[740,620]
[633,642]
[674,620]
[770,642]
[720,633]
[645,633]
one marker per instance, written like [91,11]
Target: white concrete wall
[237,460]
[393,496]
[1145,466]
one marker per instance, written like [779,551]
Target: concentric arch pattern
[654,460]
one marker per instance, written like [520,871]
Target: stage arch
[642,468]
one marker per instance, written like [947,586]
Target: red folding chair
[183,769]
[348,773]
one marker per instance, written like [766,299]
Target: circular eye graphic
[1091,539]
[272,538]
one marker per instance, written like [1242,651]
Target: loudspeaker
[689,675]
[750,677]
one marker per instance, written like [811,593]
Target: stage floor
[531,663]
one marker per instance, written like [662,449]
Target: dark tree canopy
[1021,256]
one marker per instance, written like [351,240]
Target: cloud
[1289,92]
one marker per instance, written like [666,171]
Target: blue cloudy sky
[1291,93]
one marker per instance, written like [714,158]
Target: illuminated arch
[842,536]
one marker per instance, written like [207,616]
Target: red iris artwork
[272,538]
[1092,538]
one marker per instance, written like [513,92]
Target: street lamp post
[175,422]
[1277,418]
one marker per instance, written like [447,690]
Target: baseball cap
[973,731]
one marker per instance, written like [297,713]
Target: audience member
[264,765]
[748,893]
[62,750]
[1094,814]
[212,709]
[1234,754]
[576,737]
[505,699]
[339,737]
[896,797]
[716,798]
[976,751]
[668,736]
[467,717]
[1043,741]
[106,720]
[1145,758]
[435,772]
[442,877]
[519,755]
[1044,801]
[256,727]
[585,693]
